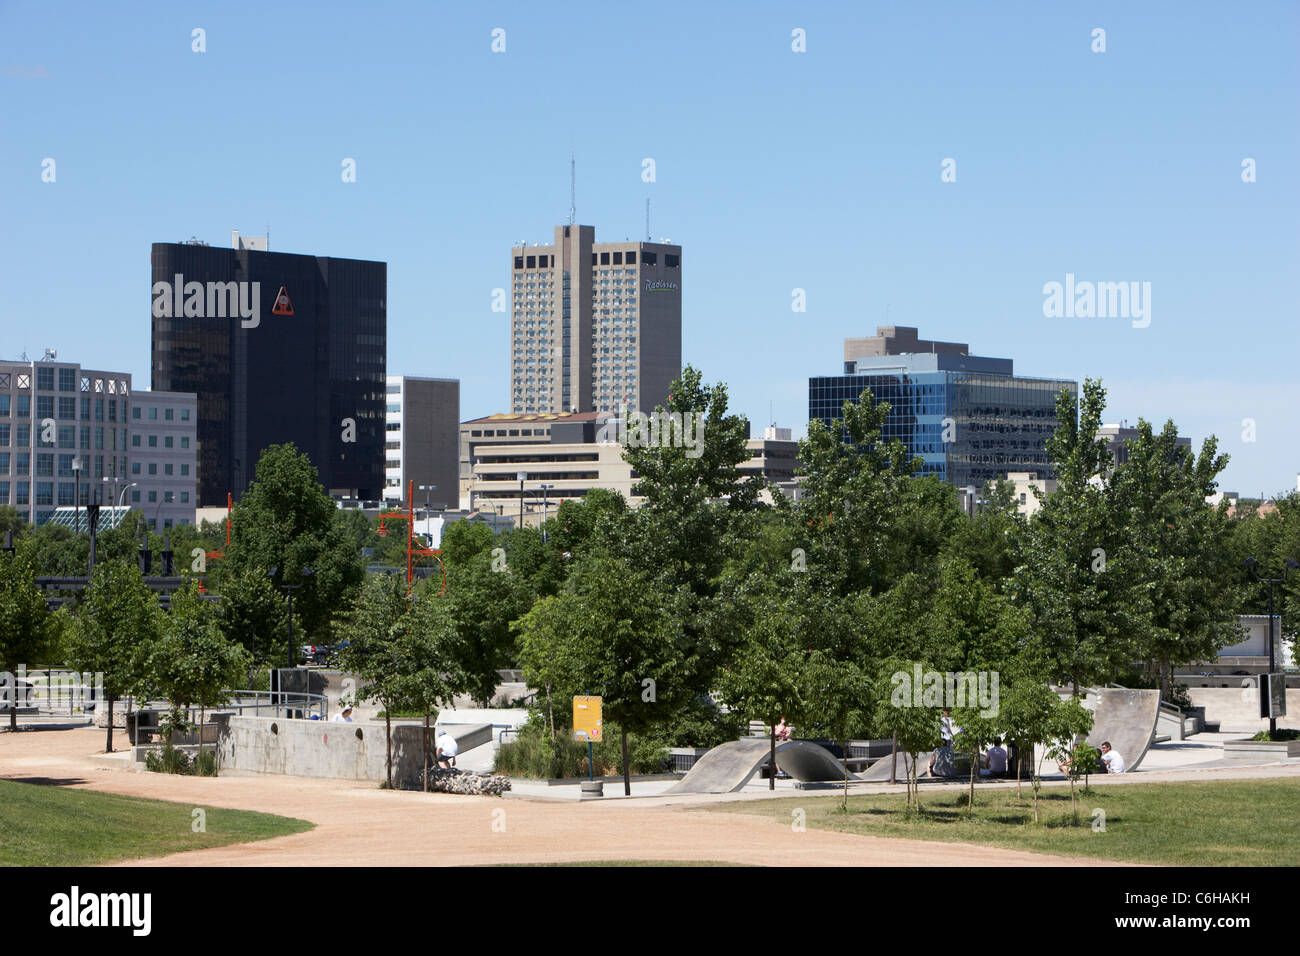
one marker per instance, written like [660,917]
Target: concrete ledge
[572,781]
[1256,749]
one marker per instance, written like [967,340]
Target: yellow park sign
[586,719]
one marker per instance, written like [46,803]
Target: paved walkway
[358,824]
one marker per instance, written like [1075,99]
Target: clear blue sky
[775,170]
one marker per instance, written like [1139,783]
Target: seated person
[996,759]
[941,764]
[1111,758]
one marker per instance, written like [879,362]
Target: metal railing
[293,704]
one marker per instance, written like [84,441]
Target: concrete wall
[314,748]
[1237,708]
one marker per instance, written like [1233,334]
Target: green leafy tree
[426,654]
[899,713]
[463,540]
[616,639]
[26,632]
[978,728]
[191,663]
[117,624]
[286,521]
[763,679]
[1078,579]
[374,631]
[483,602]
[1179,547]
[253,613]
[838,697]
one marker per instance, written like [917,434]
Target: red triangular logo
[282,304]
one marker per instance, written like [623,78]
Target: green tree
[191,663]
[426,655]
[617,639]
[764,678]
[286,521]
[1076,576]
[26,633]
[253,613]
[374,630]
[117,624]
[1179,548]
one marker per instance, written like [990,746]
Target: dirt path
[358,824]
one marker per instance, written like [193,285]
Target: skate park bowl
[1127,718]
[727,768]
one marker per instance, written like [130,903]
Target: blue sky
[775,170]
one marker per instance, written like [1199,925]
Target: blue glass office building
[997,422]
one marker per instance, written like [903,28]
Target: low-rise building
[164,458]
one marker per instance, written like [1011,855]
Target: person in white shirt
[344,716]
[447,750]
[997,760]
[1112,759]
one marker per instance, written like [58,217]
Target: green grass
[1228,823]
[56,826]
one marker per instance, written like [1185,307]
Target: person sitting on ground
[344,716]
[447,750]
[941,764]
[997,760]
[1112,759]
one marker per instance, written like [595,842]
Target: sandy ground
[358,824]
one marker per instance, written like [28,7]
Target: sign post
[587,726]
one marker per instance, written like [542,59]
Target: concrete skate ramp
[878,772]
[1127,718]
[728,768]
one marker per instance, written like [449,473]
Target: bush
[1281,733]
[169,759]
[533,754]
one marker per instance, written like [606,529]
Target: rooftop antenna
[647,219]
[573,189]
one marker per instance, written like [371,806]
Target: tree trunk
[108,747]
[627,771]
[844,760]
[893,760]
[388,738]
[1020,770]
[771,762]
[549,713]
[974,769]
[426,750]
[203,713]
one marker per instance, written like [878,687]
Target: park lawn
[1228,823]
[55,826]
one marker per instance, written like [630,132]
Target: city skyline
[938,171]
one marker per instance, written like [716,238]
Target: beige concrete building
[896,340]
[594,326]
[1027,502]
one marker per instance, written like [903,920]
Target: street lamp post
[125,489]
[522,476]
[76,494]
[1290,565]
[426,489]
[542,523]
[289,589]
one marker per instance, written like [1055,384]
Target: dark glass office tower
[279,348]
[967,417]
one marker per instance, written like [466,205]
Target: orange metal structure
[213,555]
[412,552]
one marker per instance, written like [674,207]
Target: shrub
[533,754]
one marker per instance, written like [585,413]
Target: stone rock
[467,783]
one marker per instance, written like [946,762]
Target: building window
[167,414]
[153,468]
[153,441]
[135,441]
[153,414]
[67,380]
[135,413]
[185,441]
[185,414]
[45,383]
[167,468]
[185,497]
[185,470]
[135,468]
[167,442]
[135,497]
[153,497]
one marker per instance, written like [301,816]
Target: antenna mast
[573,190]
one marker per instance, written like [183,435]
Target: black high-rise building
[279,348]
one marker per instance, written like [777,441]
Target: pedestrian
[344,716]
[1112,759]
[447,750]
